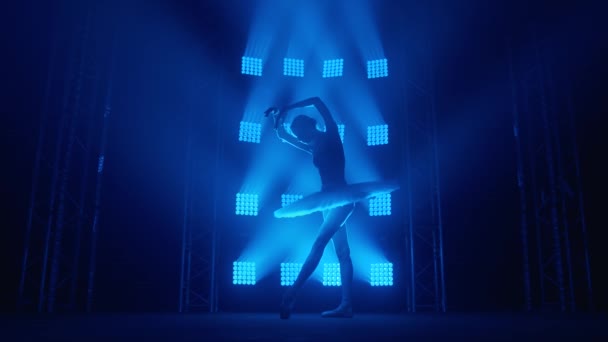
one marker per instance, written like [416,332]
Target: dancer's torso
[328,157]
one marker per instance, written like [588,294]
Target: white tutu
[336,197]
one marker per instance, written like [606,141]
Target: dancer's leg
[333,220]
[340,241]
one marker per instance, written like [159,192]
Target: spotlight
[377,68]
[293,67]
[289,273]
[287,199]
[331,275]
[247,204]
[382,274]
[377,135]
[341,131]
[250,132]
[333,68]
[251,66]
[243,273]
[380,205]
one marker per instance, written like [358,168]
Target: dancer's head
[304,128]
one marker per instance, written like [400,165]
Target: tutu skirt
[336,197]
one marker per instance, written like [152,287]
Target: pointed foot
[287,304]
[345,311]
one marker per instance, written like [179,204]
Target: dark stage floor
[304,327]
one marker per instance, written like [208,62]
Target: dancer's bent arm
[330,124]
[288,138]
[279,118]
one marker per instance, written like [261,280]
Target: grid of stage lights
[247,204]
[250,132]
[251,66]
[287,199]
[289,273]
[333,68]
[377,68]
[341,131]
[380,205]
[331,275]
[243,273]
[377,135]
[382,274]
[293,67]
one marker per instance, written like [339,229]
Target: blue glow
[377,68]
[331,275]
[287,199]
[247,204]
[250,132]
[293,67]
[100,164]
[251,66]
[377,135]
[364,246]
[333,68]
[243,273]
[289,273]
[341,131]
[382,274]
[380,205]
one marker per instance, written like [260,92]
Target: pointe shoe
[342,311]
[287,305]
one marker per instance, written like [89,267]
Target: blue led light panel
[341,131]
[377,135]
[243,273]
[247,204]
[251,66]
[333,68]
[377,68]
[382,274]
[250,132]
[293,67]
[331,275]
[380,205]
[289,273]
[287,199]
[100,164]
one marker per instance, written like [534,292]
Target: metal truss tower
[63,215]
[200,237]
[555,253]
[422,215]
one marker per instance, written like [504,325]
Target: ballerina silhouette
[336,200]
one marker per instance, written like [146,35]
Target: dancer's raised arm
[279,118]
[330,123]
